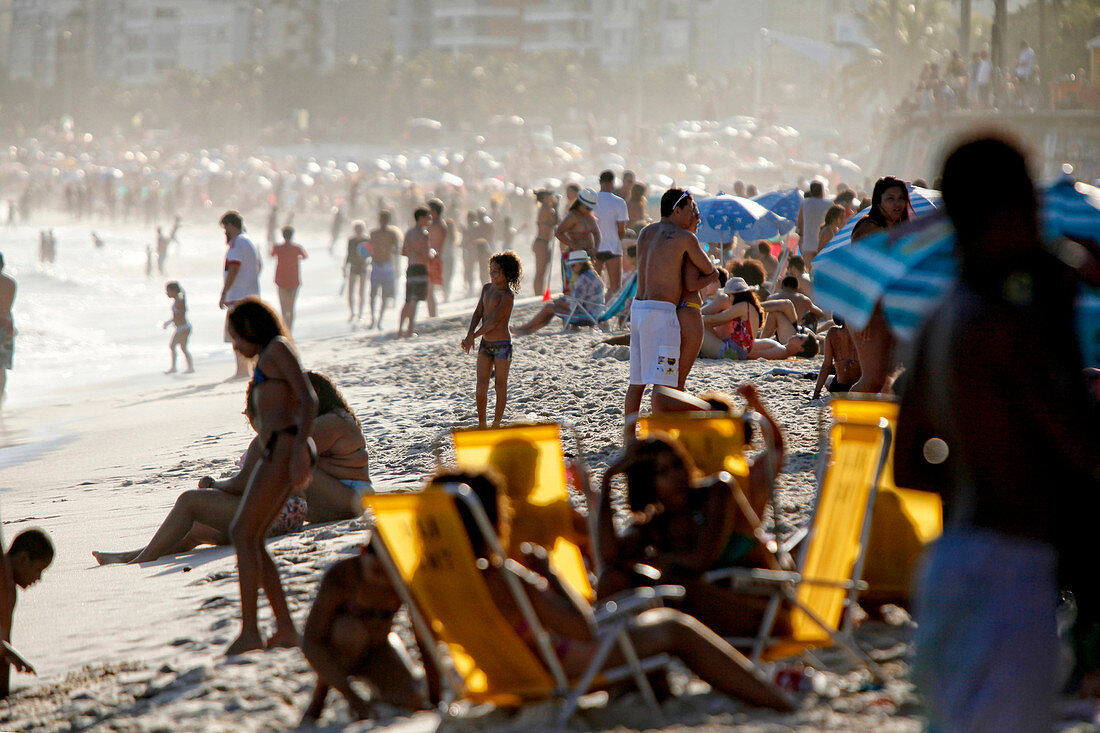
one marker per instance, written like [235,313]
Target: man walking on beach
[437,243]
[7,327]
[663,247]
[383,243]
[811,215]
[415,248]
[242,275]
[1014,457]
[611,217]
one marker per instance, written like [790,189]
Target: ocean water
[92,318]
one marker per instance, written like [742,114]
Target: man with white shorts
[663,247]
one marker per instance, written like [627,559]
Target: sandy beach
[129,647]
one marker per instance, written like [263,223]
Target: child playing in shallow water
[492,312]
[285,406]
[183,328]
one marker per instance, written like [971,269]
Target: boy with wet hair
[30,553]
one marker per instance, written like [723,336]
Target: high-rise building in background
[134,41]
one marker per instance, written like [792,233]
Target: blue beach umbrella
[923,201]
[785,203]
[724,215]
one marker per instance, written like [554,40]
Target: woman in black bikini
[285,405]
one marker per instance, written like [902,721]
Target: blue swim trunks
[496,349]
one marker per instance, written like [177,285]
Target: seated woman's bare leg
[780,323]
[210,507]
[706,654]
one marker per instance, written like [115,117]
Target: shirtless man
[355,268]
[663,248]
[418,252]
[783,323]
[348,635]
[383,242]
[840,355]
[437,243]
[546,222]
[7,328]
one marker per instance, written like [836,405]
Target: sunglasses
[684,195]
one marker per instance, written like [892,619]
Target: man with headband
[654,329]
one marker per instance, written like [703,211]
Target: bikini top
[258,377]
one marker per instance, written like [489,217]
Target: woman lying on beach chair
[685,526]
[569,620]
[202,516]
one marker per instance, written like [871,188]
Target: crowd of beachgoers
[617,244]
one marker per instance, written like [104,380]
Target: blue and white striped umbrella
[923,202]
[909,267]
[786,203]
[1071,209]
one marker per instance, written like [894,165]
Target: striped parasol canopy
[908,267]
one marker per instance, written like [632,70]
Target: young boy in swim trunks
[492,312]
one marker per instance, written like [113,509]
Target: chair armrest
[762,576]
[633,602]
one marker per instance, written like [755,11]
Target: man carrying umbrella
[995,417]
[663,249]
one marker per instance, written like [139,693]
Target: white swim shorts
[654,343]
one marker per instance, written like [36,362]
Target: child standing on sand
[183,329]
[492,312]
[284,405]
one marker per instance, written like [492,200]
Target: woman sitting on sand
[734,317]
[569,623]
[203,516]
[685,525]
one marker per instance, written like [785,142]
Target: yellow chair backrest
[429,545]
[835,540]
[715,442]
[904,520]
[530,460]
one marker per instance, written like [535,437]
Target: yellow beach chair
[530,459]
[827,582]
[424,546]
[903,522]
